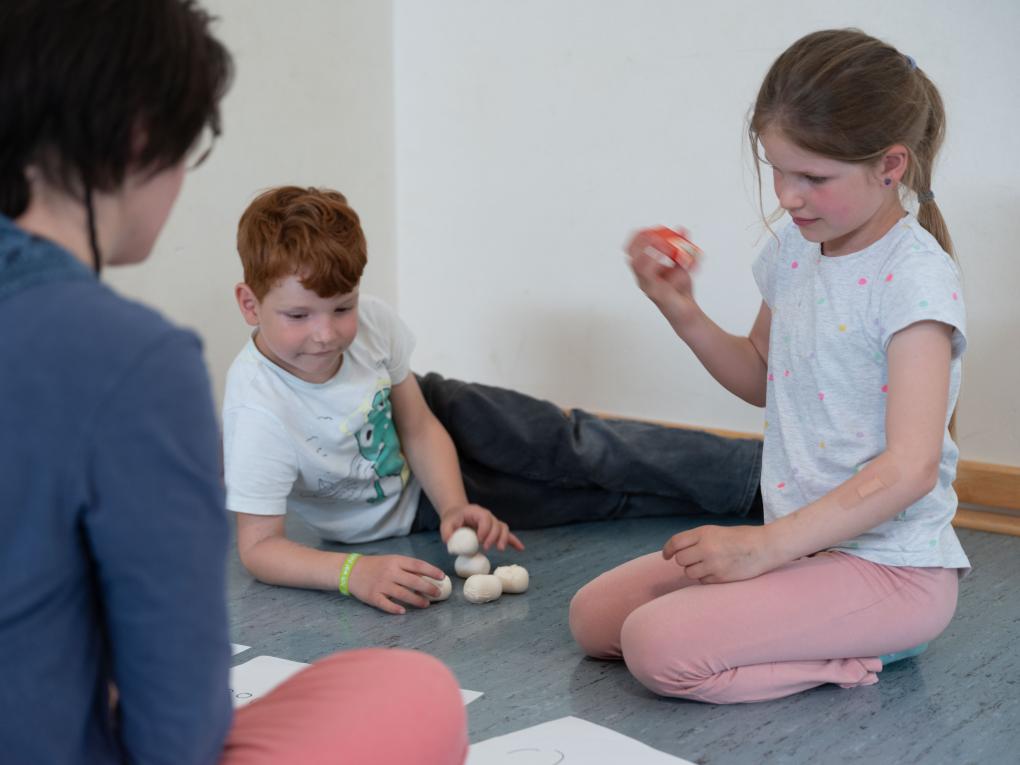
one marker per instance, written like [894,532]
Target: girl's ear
[248,303]
[893,164]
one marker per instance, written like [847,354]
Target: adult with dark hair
[112,523]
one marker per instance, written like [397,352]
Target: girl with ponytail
[855,356]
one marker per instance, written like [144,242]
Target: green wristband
[345,572]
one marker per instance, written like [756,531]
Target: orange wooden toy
[678,247]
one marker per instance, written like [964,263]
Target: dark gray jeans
[534,465]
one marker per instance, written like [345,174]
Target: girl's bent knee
[668,676]
[655,660]
[591,626]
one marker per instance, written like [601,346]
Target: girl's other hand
[491,530]
[381,580]
[666,284]
[714,554]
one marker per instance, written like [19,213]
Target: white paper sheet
[260,675]
[570,741]
[236,648]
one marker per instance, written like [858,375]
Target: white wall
[311,104]
[506,148]
[533,135]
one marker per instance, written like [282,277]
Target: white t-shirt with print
[326,451]
[828,374]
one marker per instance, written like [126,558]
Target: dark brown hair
[90,89]
[309,232]
[845,95]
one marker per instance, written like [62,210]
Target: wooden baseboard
[981,483]
[994,487]
[987,520]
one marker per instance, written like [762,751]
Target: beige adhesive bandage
[866,483]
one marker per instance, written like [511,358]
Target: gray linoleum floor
[957,703]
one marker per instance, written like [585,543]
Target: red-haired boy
[323,416]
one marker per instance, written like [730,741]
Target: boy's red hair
[310,232]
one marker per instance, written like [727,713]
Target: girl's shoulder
[911,252]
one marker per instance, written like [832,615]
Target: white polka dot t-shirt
[832,320]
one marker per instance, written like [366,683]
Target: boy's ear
[248,303]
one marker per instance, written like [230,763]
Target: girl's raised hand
[714,554]
[381,580]
[666,283]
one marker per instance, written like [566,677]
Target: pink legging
[373,705]
[820,619]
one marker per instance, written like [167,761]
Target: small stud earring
[888,181]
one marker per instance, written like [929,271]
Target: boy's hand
[380,579]
[491,530]
[714,554]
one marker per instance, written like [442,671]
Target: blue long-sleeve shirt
[113,531]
